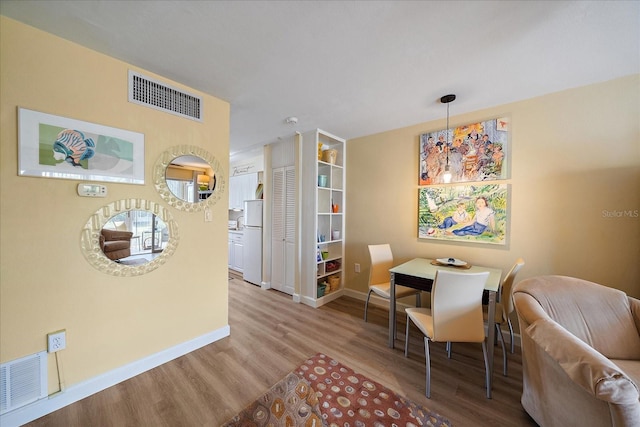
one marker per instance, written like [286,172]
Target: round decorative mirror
[129,237]
[189,178]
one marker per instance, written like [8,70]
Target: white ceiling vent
[144,90]
[23,381]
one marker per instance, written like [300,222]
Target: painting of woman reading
[466,213]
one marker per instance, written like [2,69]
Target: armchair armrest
[528,309]
[635,311]
[587,368]
[110,235]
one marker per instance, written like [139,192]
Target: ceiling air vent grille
[155,94]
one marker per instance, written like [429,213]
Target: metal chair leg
[428,366]
[504,349]
[486,368]
[366,306]
[511,335]
[406,339]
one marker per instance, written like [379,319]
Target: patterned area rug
[324,392]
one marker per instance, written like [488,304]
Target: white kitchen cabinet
[241,188]
[236,251]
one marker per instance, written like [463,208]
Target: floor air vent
[155,94]
[23,381]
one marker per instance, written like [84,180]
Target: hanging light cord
[447,141]
[447,99]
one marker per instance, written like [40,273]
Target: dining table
[419,273]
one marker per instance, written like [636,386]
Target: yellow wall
[574,155]
[46,284]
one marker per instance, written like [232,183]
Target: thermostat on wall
[92,190]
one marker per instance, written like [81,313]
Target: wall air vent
[23,381]
[155,94]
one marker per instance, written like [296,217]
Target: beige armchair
[580,352]
[115,244]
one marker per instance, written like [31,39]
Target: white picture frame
[52,146]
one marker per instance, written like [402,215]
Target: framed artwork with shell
[58,147]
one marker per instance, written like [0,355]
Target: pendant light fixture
[446,176]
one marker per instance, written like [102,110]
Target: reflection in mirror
[189,178]
[129,237]
[133,237]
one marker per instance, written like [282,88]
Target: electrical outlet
[57,341]
[357,266]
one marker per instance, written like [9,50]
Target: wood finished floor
[271,336]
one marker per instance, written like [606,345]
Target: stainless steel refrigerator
[252,242]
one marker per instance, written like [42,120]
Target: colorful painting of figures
[464,213]
[476,152]
[57,147]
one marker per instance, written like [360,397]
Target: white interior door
[278,218]
[283,230]
[290,230]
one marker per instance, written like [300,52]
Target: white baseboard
[308,301]
[79,391]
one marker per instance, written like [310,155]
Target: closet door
[283,230]
[289,230]
[278,221]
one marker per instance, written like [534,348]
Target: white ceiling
[353,68]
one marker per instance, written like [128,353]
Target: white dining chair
[379,283]
[455,316]
[504,307]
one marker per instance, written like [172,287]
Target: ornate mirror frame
[160,181]
[90,237]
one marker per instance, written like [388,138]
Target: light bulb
[446,176]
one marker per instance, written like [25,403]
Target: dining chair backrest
[506,298]
[456,306]
[381,261]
